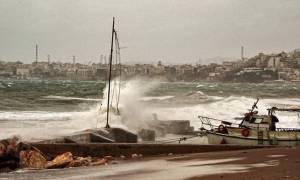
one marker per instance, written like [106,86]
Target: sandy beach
[267,163]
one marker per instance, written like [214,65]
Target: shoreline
[269,163]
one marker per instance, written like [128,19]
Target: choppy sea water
[42,109]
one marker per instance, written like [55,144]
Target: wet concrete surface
[255,164]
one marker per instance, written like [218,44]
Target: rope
[209,118]
[117,63]
[98,119]
[115,73]
[176,139]
[120,68]
[116,59]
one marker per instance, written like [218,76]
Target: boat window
[258,120]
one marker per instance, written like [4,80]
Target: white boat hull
[219,138]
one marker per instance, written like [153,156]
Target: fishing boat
[253,129]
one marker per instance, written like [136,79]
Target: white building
[23,73]
[274,62]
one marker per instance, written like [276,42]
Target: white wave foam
[227,109]
[70,98]
[33,115]
[149,98]
[200,85]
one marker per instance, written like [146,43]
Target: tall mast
[109,75]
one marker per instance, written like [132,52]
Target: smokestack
[36,53]
[48,57]
[74,59]
[101,59]
[242,53]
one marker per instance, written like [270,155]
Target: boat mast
[109,75]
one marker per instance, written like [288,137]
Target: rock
[9,157]
[32,159]
[60,161]
[76,163]
[109,158]
[2,149]
[99,162]
[133,156]
[8,146]
[24,147]
[89,158]
[6,166]
[80,161]
[11,149]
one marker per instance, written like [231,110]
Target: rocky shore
[265,163]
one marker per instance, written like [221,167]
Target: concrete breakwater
[119,149]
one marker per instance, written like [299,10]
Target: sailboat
[114,40]
[105,134]
[109,74]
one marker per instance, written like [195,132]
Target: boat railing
[207,121]
[288,129]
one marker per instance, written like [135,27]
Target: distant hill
[217,60]
[297,50]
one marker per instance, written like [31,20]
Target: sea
[40,109]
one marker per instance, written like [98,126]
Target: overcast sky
[168,30]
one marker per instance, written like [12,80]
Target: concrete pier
[118,149]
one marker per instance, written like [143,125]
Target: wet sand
[269,163]
[261,164]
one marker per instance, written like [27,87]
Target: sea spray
[228,109]
[133,113]
[35,125]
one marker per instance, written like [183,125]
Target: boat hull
[219,138]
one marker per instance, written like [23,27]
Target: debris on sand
[60,161]
[133,156]
[99,162]
[9,154]
[80,161]
[109,158]
[32,159]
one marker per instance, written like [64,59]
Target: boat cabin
[260,122]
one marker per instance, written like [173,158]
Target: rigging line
[114,58]
[98,119]
[109,77]
[116,65]
[114,91]
[120,69]
[176,139]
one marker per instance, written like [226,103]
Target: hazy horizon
[172,31]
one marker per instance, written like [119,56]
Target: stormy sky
[174,31]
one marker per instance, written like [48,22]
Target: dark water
[38,95]
[43,109]
[232,89]
[33,95]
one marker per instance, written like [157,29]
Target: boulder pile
[65,160]
[15,154]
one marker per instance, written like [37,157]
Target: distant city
[278,67]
